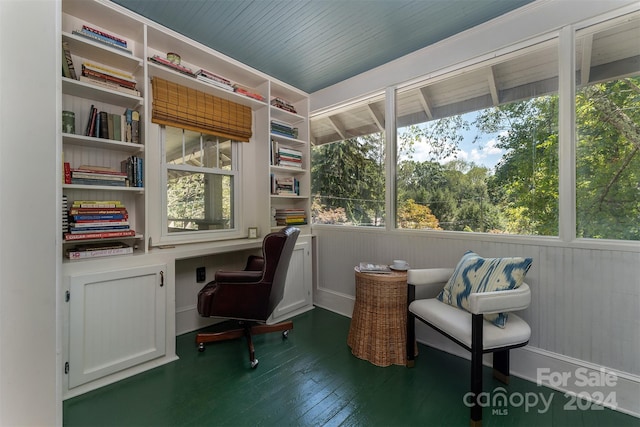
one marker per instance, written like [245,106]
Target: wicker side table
[378,331]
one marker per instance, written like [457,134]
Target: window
[200,173]
[348,171]
[607,106]
[478,151]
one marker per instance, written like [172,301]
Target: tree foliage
[521,194]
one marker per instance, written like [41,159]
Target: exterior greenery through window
[200,172]
[478,150]
[347,181]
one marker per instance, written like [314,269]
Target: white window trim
[197,236]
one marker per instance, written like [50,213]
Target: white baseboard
[595,383]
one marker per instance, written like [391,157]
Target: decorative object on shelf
[253,232]
[174,58]
[68,122]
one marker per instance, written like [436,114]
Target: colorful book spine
[101,235]
[71,254]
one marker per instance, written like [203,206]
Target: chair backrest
[277,248]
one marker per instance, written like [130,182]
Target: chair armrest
[500,301]
[224,277]
[429,281]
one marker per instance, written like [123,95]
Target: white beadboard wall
[585,302]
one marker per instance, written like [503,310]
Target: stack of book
[94,250]
[283,105]
[133,168]
[214,80]
[109,78]
[102,37]
[289,157]
[251,93]
[179,68]
[286,217]
[98,219]
[98,175]
[285,185]
[283,129]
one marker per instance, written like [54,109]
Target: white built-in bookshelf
[145,39]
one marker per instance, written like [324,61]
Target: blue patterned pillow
[475,274]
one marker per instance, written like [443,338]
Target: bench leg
[501,366]
[476,368]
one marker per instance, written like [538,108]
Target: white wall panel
[585,302]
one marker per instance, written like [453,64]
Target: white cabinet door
[297,289]
[116,320]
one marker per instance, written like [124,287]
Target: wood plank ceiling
[312,44]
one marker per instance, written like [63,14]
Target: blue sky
[483,152]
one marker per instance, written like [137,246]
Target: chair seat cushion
[456,323]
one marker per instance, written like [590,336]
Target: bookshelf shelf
[108,144]
[139,190]
[156,70]
[286,116]
[95,51]
[290,170]
[287,140]
[90,91]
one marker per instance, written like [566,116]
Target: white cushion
[457,323]
[499,301]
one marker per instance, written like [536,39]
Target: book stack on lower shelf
[96,250]
[98,219]
[286,217]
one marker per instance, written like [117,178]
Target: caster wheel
[201,347]
[254,363]
[285,334]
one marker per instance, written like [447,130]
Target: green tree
[350,175]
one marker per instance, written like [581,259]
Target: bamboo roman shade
[183,107]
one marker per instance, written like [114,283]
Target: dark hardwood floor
[312,379]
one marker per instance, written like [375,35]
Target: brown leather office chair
[250,296]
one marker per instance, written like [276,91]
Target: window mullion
[390,157]
[566,136]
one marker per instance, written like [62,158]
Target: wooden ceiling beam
[493,86]
[426,104]
[378,118]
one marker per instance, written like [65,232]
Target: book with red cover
[102,235]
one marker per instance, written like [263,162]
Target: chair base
[246,329]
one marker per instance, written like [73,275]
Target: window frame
[196,236]
[566,145]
